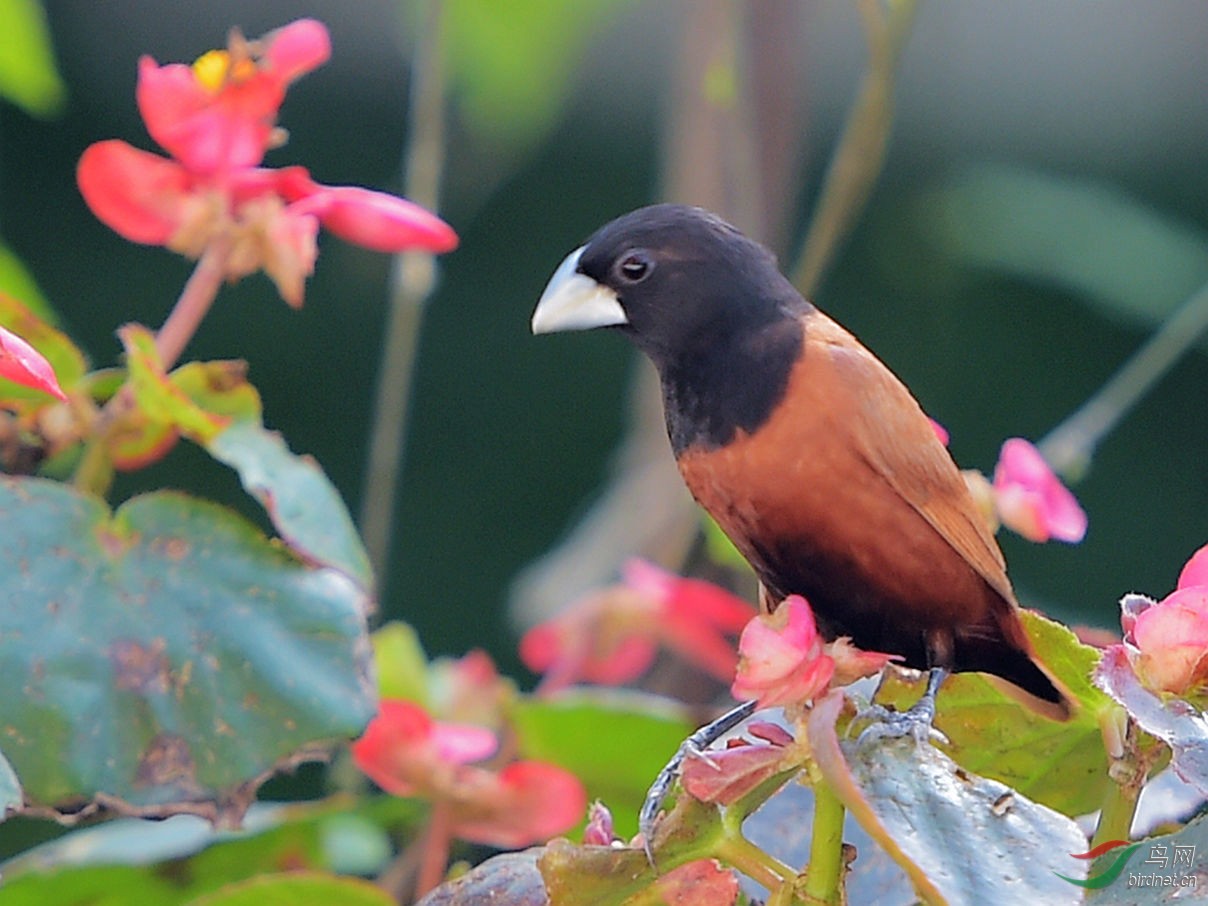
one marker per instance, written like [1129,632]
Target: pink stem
[194,302]
[435,855]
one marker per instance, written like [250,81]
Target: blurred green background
[1041,211]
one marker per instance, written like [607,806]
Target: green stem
[859,157]
[414,280]
[1069,447]
[1117,812]
[824,877]
[1127,772]
[737,851]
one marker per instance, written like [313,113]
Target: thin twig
[1069,447]
[413,280]
[861,151]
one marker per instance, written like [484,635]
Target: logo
[1177,864]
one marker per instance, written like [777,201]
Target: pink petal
[403,749]
[208,132]
[1195,571]
[525,803]
[139,195]
[940,431]
[381,222]
[24,365]
[297,48]
[1031,499]
[463,743]
[782,660]
[1171,638]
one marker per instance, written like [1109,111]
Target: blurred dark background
[1041,211]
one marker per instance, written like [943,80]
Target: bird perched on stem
[806,449]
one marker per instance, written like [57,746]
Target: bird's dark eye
[635,267]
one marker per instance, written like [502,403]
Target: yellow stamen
[216,68]
[212,68]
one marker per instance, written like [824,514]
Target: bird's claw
[696,744]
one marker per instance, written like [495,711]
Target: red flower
[1167,641]
[612,636]
[217,118]
[1030,498]
[783,659]
[406,753]
[24,365]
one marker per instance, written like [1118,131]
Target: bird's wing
[897,440]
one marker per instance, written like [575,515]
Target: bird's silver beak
[574,301]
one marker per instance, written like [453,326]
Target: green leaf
[170,657]
[159,399]
[18,282]
[1060,764]
[297,887]
[1074,232]
[402,666]
[302,503]
[513,63]
[28,76]
[615,742]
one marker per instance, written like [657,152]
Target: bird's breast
[815,515]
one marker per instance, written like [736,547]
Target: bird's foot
[918,721]
[887,723]
[696,743]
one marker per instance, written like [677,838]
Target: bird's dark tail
[1020,675]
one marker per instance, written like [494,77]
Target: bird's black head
[677,279]
[703,301]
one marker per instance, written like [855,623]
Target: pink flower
[1167,641]
[612,636]
[783,659]
[1031,499]
[221,113]
[24,365]
[217,118]
[406,753]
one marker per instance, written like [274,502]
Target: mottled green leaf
[28,76]
[959,837]
[169,657]
[302,503]
[511,878]
[10,789]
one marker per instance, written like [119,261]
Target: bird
[810,454]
